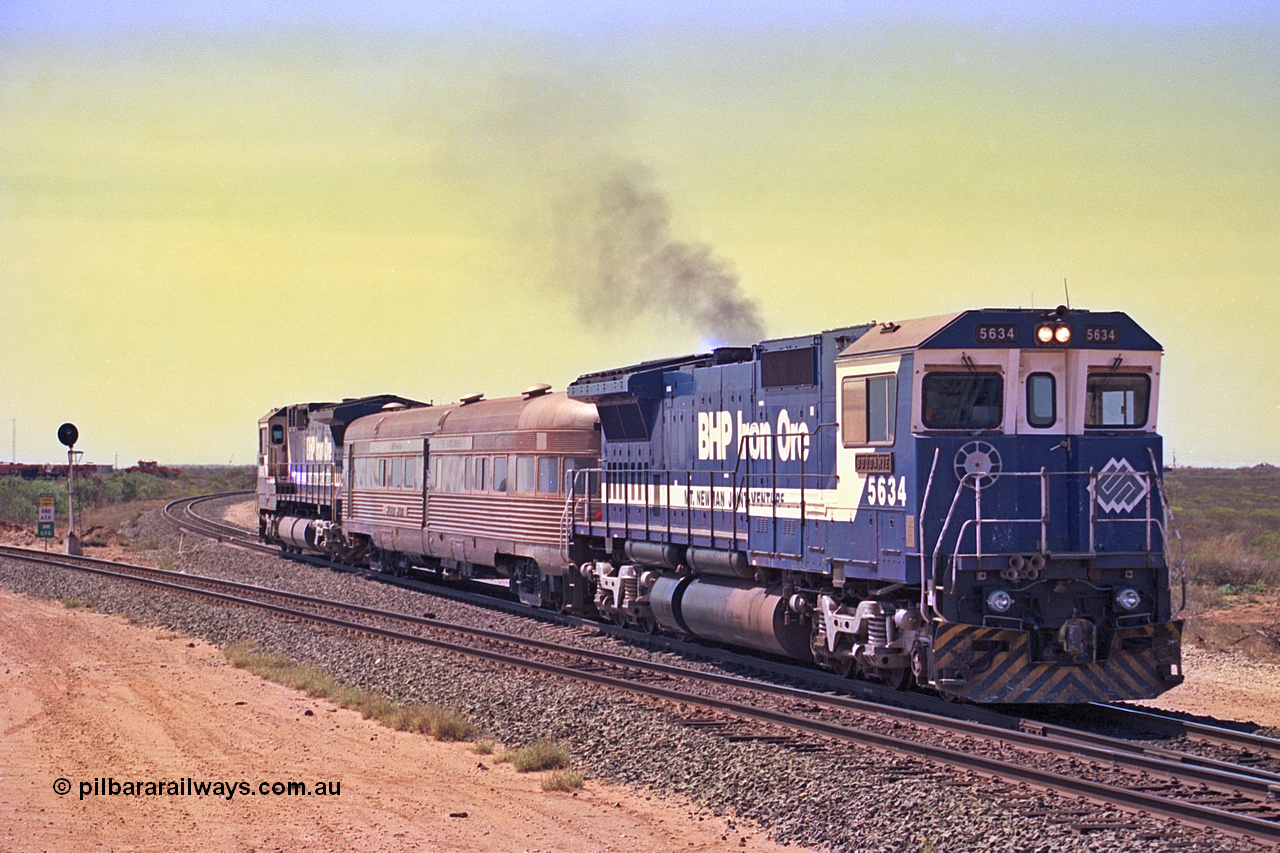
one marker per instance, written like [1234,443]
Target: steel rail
[1136,757]
[1187,812]
[1172,726]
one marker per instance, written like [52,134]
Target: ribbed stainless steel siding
[520,518]
[398,507]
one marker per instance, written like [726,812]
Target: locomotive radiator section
[993,665]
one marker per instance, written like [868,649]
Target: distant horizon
[209,209]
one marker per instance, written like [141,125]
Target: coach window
[868,409]
[1042,402]
[548,475]
[450,477]
[972,401]
[499,473]
[481,463]
[411,472]
[466,476]
[384,472]
[525,471]
[397,472]
[1117,400]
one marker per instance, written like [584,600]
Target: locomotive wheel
[897,679]
[648,625]
[844,667]
[554,600]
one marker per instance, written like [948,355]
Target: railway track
[1244,748]
[1230,798]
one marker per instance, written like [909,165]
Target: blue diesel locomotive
[972,502]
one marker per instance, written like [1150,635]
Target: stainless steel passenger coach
[473,487]
[972,502]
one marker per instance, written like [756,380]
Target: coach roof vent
[535,391]
[471,398]
[394,407]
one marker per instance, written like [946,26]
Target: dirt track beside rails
[85,696]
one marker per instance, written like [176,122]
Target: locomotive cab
[1009,465]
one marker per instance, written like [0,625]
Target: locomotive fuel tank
[303,533]
[729,612]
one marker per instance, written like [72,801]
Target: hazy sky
[210,210]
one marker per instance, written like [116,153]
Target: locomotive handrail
[974,480]
[1171,524]
[926,584]
[621,490]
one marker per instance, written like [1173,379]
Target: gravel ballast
[814,796]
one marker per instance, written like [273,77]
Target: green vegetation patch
[1230,524]
[562,780]
[440,723]
[19,498]
[543,755]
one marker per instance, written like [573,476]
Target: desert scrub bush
[562,780]
[543,755]
[483,747]
[73,603]
[1227,560]
[20,499]
[438,722]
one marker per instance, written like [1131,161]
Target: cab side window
[868,409]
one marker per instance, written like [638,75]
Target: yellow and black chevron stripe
[994,665]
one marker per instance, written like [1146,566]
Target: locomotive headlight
[1053,334]
[1000,601]
[1128,599]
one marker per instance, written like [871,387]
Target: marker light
[1044,334]
[1062,334]
[1000,601]
[1128,599]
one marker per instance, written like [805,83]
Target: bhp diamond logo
[1119,487]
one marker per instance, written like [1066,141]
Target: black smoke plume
[621,259]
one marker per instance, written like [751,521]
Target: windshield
[963,400]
